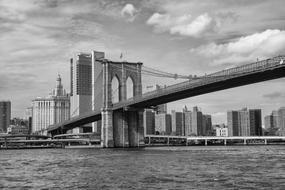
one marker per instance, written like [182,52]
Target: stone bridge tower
[121,128]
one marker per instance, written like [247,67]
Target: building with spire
[52,109]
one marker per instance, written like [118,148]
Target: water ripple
[244,167]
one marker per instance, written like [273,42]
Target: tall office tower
[162,108]
[268,121]
[177,123]
[187,121]
[275,118]
[233,123]
[197,119]
[84,71]
[281,120]
[207,125]
[5,115]
[245,122]
[163,124]
[149,122]
[81,87]
[51,110]
[29,118]
[255,122]
[244,125]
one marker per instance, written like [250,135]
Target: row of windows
[48,104]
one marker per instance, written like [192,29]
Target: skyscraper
[271,123]
[81,79]
[244,122]
[268,122]
[29,118]
[187,121]
[233,123]
[255,122]
[207,125]
[5,115]
[163,123]
[197,119]
[275,118]
[51,110]
[281,120]
[177,123]
[81,89]
[149,122]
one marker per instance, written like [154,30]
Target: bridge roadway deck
[243,75]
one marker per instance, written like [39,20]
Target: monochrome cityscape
[142,94]
[59,106]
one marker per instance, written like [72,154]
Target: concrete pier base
[135,128]
[121,134]
[107,140]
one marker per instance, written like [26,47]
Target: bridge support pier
[244,141]
[136,129]
[121,133]
[122,128]
[107,140]
[265,141]
[225,142]
[206,143]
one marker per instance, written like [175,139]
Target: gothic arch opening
[130,87]
[115,89]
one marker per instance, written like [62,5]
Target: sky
[38,37]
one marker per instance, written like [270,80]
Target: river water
[212,167]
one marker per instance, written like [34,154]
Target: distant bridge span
[260,71]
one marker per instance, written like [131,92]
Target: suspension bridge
[122,121]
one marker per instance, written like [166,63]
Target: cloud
[274,95]
[259,45]
[183,25]
[129,12]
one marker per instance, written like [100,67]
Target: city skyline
[48,33]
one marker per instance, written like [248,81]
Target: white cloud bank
[129,12]
[245,49]
[183,25]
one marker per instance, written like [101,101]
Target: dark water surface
[236,167]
